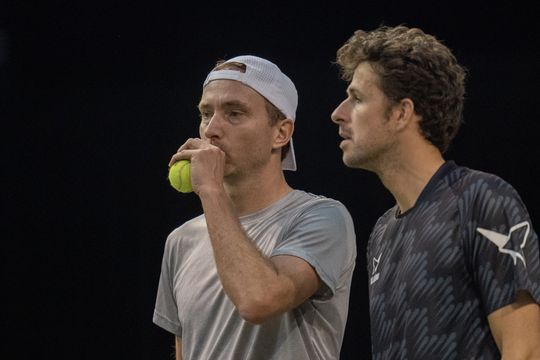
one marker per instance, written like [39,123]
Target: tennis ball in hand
[180,176]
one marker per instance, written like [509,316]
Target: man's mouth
[344,135]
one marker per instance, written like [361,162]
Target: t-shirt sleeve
[501,245]
[323,236]
[166,311]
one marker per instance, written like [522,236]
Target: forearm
[178,348]
[516,328]
[521,354]
[249,279]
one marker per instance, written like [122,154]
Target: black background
[96,96]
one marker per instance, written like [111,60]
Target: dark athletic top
[438,270]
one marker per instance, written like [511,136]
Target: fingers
[177,157]
[192,143]
[181,154]
[186,151]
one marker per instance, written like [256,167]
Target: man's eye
[205,115]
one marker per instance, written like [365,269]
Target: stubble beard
[367,159]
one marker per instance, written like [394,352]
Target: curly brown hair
[415,65]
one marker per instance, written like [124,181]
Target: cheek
[261,144]
[247,145]
[257,147]
[359,128]
[366,125]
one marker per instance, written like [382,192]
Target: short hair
[412,64]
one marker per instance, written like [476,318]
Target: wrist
[208,192]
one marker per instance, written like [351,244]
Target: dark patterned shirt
[439,269]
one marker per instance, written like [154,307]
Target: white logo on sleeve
[376,262]
[502,239]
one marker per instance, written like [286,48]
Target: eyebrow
[228,104]
[354,91]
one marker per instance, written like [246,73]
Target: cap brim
[289,162]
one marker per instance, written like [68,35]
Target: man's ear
[403,113]
[284,131]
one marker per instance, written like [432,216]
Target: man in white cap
[265,272]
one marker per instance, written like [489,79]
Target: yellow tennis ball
[180,176]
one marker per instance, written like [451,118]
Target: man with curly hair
[454,268]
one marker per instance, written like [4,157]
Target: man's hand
[207,164]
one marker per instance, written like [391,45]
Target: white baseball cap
[267,79]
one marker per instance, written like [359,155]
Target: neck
[407,174]
[257,191]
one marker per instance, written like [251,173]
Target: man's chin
[354,162]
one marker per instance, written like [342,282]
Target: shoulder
[186,230]
[314,201]
[465,181]
[485,199]
[313,204]
[475,187]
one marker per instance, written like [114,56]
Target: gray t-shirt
[192,305]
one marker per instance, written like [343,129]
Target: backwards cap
[267,79]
